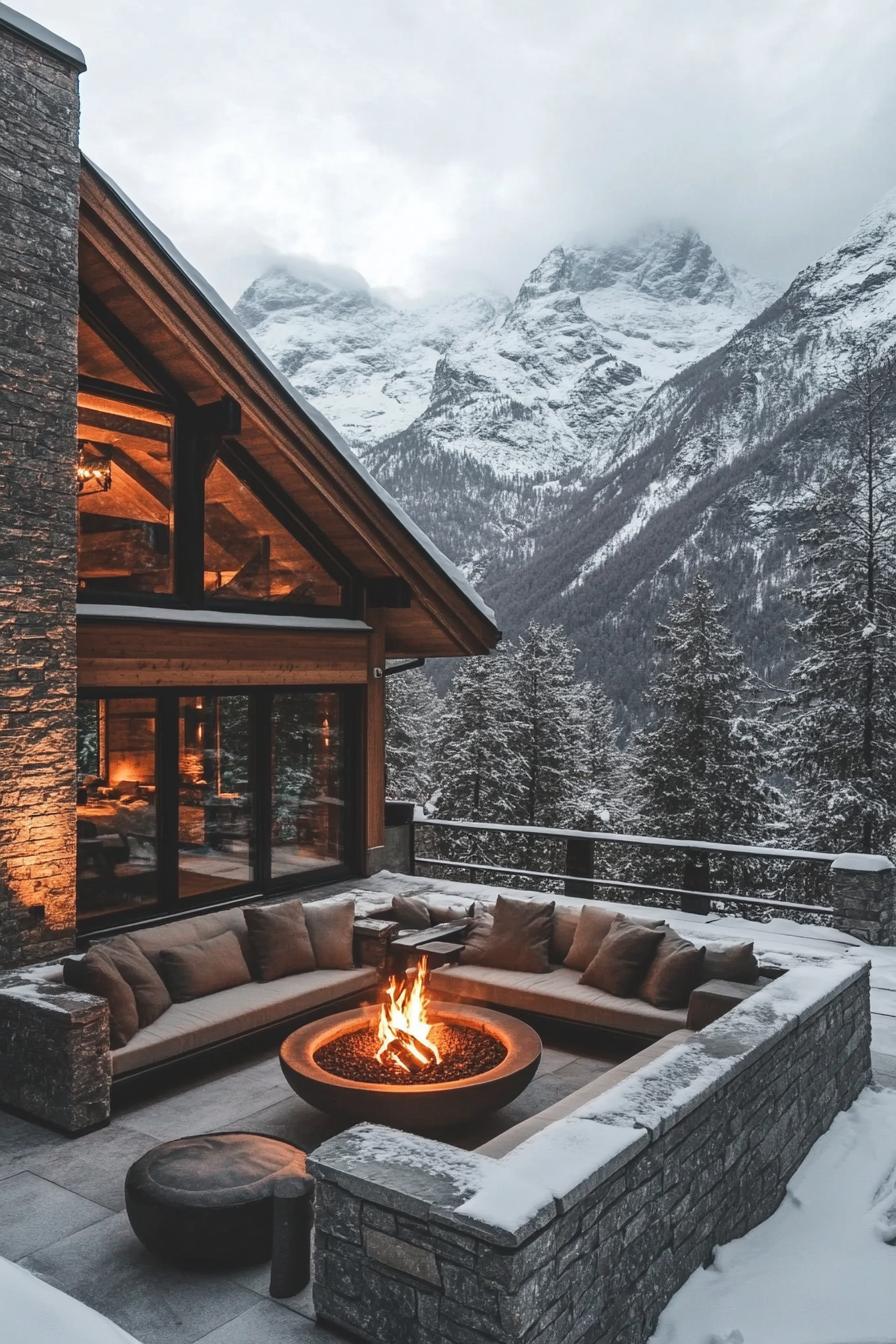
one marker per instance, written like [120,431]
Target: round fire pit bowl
[412,1106]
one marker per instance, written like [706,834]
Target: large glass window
[193,797]
[216,829]
[251,556]
[124,497]
[307,793]
[117,806]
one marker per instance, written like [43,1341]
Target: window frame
[169,904]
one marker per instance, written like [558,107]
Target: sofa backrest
[153,941]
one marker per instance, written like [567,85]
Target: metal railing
[581,849]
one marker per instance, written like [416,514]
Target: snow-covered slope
[366,362]
[692,480]
[593,330]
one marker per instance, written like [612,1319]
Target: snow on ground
[822,1269]
[35,1312]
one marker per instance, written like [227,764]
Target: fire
[403,1030]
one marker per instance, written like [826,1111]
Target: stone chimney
[39,169]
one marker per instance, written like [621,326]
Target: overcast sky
[439,144]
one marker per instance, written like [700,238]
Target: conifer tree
[839,719]
[702,764]
[609,802]
[477,774]
[413,710]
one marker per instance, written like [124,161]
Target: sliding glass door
[307,790]
[117,807]
[215,795]
[193,796]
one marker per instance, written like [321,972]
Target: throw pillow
[731,961]
[563,931]
[95,973]
[331,928]
[477,938]
[446,912]
[411,911]
[520,936]
[195,969]
[622,959]
[137,970]
[593,925]
[279,942]
[676,969]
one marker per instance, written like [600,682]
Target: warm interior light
[325,729]
[404,1028]
[94,470]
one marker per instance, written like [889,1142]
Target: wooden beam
[121,654]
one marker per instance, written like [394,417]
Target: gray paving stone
[35,1212]
[106,1267]
[95,1165]
[271,1323]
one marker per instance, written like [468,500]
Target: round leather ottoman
[208,1200]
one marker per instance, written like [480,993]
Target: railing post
[863,894]
[579,863]
[399,836]
[697,879]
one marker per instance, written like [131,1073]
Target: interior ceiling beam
[136,259]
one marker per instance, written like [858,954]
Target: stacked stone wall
[39,168]
[398,1262]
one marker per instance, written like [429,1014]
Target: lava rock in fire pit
[465,1051]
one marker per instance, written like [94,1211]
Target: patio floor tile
[35,1212]
[215,1103]
[94,1165]
[270,1323]
[106,1267]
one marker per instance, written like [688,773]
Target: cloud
[453,143]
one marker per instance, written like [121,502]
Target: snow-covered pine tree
[609,802]
[549,737]
[702,763]
[838,723]
[476,774]
[413,710]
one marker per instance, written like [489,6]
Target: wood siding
[116,654]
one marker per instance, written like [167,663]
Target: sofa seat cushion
[557,994]
[232,1012]
[534,1124]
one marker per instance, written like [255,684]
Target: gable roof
[213,302]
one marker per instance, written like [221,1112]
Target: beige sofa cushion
[511,1138]
[557,994]
[218,1017]
[279,943]
[331,927]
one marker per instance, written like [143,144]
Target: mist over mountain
[634,415]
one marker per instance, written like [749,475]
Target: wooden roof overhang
[143,284]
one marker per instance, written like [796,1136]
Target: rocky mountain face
[365,362]
[635,415]
[694,479]
[480,415]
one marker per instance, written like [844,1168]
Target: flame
[403,1030]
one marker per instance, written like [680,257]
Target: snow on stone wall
[587,1229]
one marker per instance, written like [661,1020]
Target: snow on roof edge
[321,424]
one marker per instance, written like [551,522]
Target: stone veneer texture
[39,168]
[601,1217]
